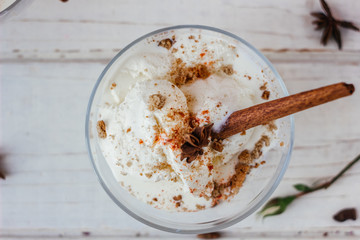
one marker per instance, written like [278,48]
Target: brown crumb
[266,140]
[163,166]
[245,157]
[180,74]
[271,126]
[265,95]
[256,153]
[166,43]
[217,145]
[200,207]
[263,87]
[247,76]
[281,143]
[243,133]
[174,50]
[101,129]
[191,37]
[156,101]
[155,199]
[228,69]
[177,204]
[212,235]
[113,85]
[177,198]
[148,175]
[234,183]
[218,188]
[128,130]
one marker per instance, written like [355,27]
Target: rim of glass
[9,7]
[275,182]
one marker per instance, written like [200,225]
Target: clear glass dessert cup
[258,185]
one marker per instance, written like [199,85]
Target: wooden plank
[50,57]
[85,29]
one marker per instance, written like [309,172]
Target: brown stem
[334,179]
[244,119]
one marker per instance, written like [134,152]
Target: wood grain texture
[86,29]
[50,57]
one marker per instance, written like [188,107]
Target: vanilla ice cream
[166,86]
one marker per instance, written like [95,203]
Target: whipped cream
[143,143]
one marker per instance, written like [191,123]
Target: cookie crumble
[166,43]
[101,129]
[228,69]
[156,101]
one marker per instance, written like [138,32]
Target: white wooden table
[50,57]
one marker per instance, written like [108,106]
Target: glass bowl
[13,7]
[258,186]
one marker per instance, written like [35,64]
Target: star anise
[330,25]
[194,142]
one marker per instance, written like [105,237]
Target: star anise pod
[194,142]
[330,25]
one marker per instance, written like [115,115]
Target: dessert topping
[228,69]
[180,74]
[156,101]
[101,129]
[194,142]
[265,95]
[166,43]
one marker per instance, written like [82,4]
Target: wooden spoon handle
[247,118]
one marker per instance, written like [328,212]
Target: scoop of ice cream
[138,129]
[145,134]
